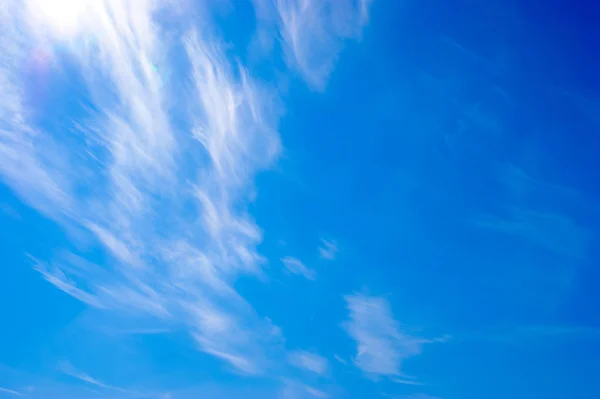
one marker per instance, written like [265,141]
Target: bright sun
[63,17]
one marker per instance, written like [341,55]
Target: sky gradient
[296,199]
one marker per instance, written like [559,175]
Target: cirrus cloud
[157,164]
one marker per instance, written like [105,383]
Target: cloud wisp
[328,249]
[295,266]
[71,371]
[552,231]
[297,390]
[312,32]
[10,392]
[409,396]
[309,361]
[381,345]
[157,164]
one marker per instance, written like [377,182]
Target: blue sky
[299,199]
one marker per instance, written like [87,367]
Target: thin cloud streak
[309,361]
[405,381]
[10,392]
[409,396]
[553,231]
[298,390]
[69,370]
[295,266]
[328,249]
[340,359]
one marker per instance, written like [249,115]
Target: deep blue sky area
[299,199]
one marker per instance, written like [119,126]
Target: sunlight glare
[63,17]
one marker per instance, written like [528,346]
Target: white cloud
[295,266]
[328,249]
[309,361]
[312,31]
[382,346]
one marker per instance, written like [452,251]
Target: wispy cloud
[316,392]
[539,216]
[328,249]
[155,167]
[10,392]
[295,266]
[71,371]
[56,276]
[340,359]
[312,31]
[553,231]
[31,161]
[130,155]
[297,390]
[381,344]
[405,381]
[409,396]
[309,361]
